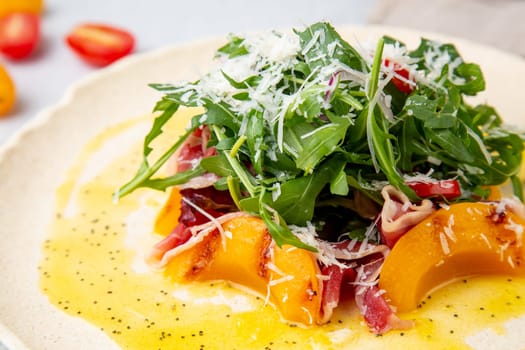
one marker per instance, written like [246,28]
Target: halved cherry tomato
[449,189]
[19,34]
[11,6]
[7,92]
[100,44]
[401,85]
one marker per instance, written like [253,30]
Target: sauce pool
[93,268]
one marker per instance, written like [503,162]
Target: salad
[311,166]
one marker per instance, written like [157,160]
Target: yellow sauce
[91,268]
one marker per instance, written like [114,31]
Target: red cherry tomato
[401,85]
[448,189]
[19,34]
[100,44]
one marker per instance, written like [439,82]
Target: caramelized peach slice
[495,193]
[465,239]
[169,214]
[246,256]
[295,289]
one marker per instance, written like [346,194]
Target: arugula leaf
[279,230]
[235,47]
[430,112]
[311,131]
[218,165]
[467,77]
[378,137]
[248,82]
[296,202]
[474,81]
[168,109]
[362,185]
[255,132]
[146,171]
[321,142]
[187,96]
[321,43]
[178,179]
[220,114]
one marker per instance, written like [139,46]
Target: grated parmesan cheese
[484,237]
[310,318]
[447,207]
[286,278]
[212,219]
[518,229]
[285,298]
[444,243]
[272,267]
[502,249]
[448,229]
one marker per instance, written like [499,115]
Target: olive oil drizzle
[89,270]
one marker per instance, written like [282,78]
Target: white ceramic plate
[33,164]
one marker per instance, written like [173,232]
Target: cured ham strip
[339,278]
[399,214]
[211,203]
[204,210]
[355,250]
[378,315]
[194,149]
[367,260]
[196,235]
[335,278]
[179,236]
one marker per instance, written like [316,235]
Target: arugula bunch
[305,131]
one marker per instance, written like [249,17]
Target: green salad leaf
[306,125]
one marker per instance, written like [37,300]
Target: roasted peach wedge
[169,213]
[464,239]
[246,255]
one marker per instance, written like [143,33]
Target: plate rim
[46,114]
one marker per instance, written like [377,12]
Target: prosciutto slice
[355,275]
[335,279]
[194,149]
[399,215]
[180,235]
[196,193]
[378,315]
[175,244]
[348,269]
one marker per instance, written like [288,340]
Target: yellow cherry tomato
[7,92]
[10,6]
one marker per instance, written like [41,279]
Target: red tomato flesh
[19,34]
[100,44]
[400,84]
[448,189]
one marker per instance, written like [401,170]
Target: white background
[43,79]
